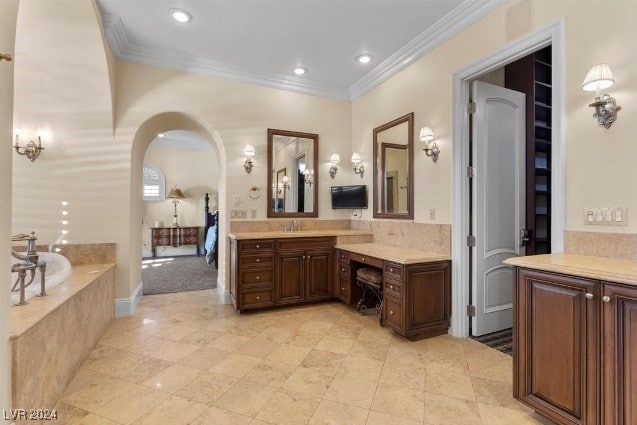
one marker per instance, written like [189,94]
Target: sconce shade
[599,77]
[335,158]
[356,157]
[426,134]
[248,151]
[175,193]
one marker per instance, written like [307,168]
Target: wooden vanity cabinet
[253,273]
[417,298]
[619,354]
[575,348]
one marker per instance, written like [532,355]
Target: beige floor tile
[141,370]
[172,411]
[97,394]
[369,349]
[352,391]
[376,334]
[290,354]
[378,418]
[131,405]
[496,393]
[494,415]
[216,416]
[69,414]
[308,381]
[163,349]
[275,334]
[201,337]
[444,410]
[92,419]
[229,342]
[84,378]
[399,401]
[288,408]
[245,397]
[450,384]
[341,330]
[119,338]
[206,388]
[332,413]
[260,422]
[404,355]
[316,327]
[323,361]
[335,344]
[452,364]
[361,367]
[204,358]
[235,365]
[273,374]
[173,378]
[500,372]
[258,347]
[409,377]
[304,339]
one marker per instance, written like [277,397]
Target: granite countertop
[300,234]
[25,316]
[393,253]
[619,270]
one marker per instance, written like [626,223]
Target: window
[154,184]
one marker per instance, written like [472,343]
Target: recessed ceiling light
[180,15]
[299,70]
[365,58]
[161,135]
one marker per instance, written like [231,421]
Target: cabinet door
[319,275]
[620,354]
[427,296]
[556,346]
[291,273]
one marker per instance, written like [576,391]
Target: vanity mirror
[292,176]
[393,170]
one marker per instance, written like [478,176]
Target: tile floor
[187,358]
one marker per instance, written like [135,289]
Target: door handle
[524,237]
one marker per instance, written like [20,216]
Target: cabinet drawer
[392,270]
[343,269]
[343,287]
[161,233]
[392,288]
[249,277]
[366,259]
[190,231]
[393,312]
[342,256]
[258,298]
[256,245]
[305,243]
[251,261]
[190,239]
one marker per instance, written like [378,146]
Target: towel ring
[254,193]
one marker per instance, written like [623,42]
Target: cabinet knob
[258,277]
[308,257]
[363,258]
[342,269]
[258,246]
[258,261]
[589,296]
[258,297]
[343,288]
[391,286]
[391,269]
[391,312]
[303,257]
[606,298]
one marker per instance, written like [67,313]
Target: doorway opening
[463,228]
[180,188]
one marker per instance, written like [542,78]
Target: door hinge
[471,172]
[471,241]
[471,310]
[471,108]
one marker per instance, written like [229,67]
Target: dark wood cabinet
[619,342]
[575,348]
[320,265]
[253,273]
[174,236]
[556,346]
[290,281]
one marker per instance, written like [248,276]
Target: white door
[498,202]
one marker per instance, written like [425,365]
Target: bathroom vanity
[271,269]
[575,338]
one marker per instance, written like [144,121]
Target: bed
[211,233]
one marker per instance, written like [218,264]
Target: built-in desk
[416,286]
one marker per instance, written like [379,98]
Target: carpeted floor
[501,341]
[177,274]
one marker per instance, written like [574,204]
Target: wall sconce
[175,195]
[308,177]
[357,165]
[431,148]
[248,151]
[31,150]
[334,159]
[598,78]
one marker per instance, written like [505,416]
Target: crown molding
[461,17]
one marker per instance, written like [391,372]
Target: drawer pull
[258,297]
[589,296]
[258,246]
[391,312]
[342,269]
[391,269]
[258,261]
[391,286]
[606,298]
[363,258]
[343,288]
[258,277]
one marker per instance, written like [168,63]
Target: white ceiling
[262,41]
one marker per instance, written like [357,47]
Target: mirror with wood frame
[393,169]
[292,174]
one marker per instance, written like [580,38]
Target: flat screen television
[349,197]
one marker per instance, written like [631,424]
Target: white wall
[8,15]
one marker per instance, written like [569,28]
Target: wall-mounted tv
[349,197]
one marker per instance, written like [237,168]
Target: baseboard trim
[127,306]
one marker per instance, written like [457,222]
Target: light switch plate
[606,216]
